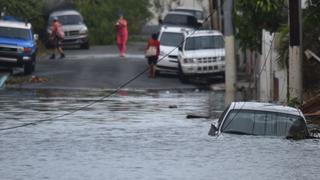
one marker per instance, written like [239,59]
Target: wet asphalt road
[101,68]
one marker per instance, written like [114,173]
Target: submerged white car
[170,39]
[202,55]
[263,119]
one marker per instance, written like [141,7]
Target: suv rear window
[196,13]
[180,20]
[171,39]
[15,33]
[204,42]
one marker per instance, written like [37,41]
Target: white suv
[170,39]
[202,54]
[76,32]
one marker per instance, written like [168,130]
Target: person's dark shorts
[152,60]
[57,42]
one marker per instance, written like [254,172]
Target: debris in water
[193,116]
[36,79]
[173,106]
[3,80]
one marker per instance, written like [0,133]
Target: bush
[26,10]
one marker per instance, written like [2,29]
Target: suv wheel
[28,67]
[182,77]
[33,63]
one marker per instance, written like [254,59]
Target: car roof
[15,24]
[261,106]
[175,29]
[64,12]
[188,8]
[179,13]
[205,33]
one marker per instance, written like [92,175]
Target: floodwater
[137,136]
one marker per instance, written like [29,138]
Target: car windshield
[69,20]
[171,39]
[16,33]
[180,20]
[204,42]
[265,123]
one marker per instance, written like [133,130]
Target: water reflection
[136,136]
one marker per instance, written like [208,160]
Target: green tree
[101,15]
[310,38]
[253,16]
[27,10]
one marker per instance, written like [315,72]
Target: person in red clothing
[152,60]
[122,35]
[57,36]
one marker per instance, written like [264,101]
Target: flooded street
[136,135]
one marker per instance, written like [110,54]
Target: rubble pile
[311,109]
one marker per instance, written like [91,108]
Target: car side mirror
[213,130]
[180,48]
[36,37]
[160,21]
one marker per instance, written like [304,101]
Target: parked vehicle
[181,19]
[197,12]
[18,47]
[263,119]
[202,55]
[170,39]
[75,30]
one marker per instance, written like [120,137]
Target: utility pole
[219,15]
[295,55]
[230,73]
[215,14]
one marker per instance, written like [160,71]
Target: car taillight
[26,50]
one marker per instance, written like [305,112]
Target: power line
[266,58]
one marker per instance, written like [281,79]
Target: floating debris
[3,79]
[36,79]
[193,116]
[173,106]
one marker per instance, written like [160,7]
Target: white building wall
[264,69]
[270,69]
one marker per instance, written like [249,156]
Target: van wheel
[158,73]
[85,45]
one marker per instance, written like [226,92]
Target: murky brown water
[137,136]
